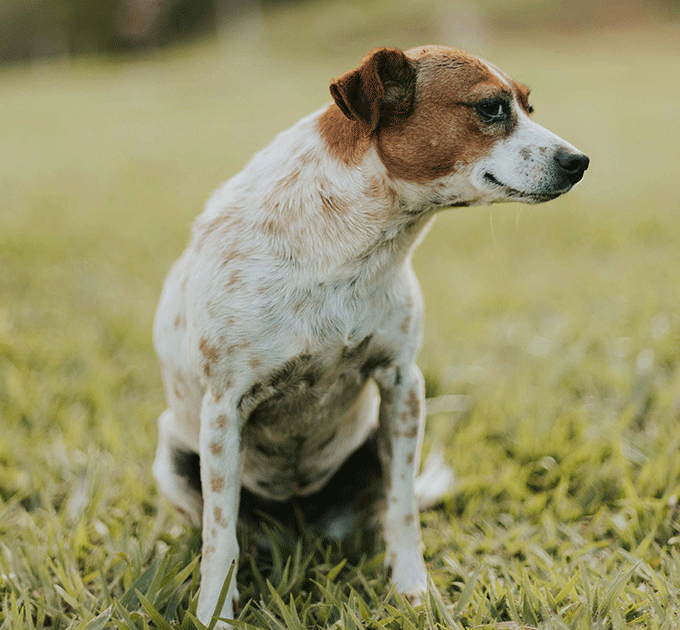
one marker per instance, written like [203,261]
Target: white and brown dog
[289,328]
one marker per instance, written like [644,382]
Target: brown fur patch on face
[346,140]
[443,131]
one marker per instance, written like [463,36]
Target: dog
[288,330]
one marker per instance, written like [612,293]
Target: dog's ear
[383,85]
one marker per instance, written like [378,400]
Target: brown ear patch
[379,91]
[382,86]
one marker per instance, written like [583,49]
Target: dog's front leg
[401,427]
[220,479]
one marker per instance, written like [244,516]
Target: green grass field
[560,324]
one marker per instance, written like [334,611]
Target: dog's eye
[494,110]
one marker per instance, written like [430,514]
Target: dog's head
[442,117]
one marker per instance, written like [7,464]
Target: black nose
[572,165]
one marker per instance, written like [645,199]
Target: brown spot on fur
[288,181]
[375,188]
[408,520]
[235,279]
[346,140]
[216,448]
[409,458]
[221,421]
[378,188]
[409,433]
[255,362]
[406,325]
[216,482]
[208,351]
[331,205]
[270,227]
[208,550]
[219,518]
[176,389]
[179,321]
[413,404]
[404,416]
[204,230]
[231,349]
[229,256]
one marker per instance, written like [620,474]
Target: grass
[558,323]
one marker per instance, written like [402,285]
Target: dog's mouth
[520,195]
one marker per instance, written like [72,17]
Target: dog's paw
[409,575]
[207,605]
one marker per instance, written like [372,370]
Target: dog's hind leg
[177,472]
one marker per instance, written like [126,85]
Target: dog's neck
[336,217]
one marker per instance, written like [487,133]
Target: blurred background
[556,327]
[119,117]
[35,29]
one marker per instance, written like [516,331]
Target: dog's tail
[434,482]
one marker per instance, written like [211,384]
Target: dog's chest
[307,419]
